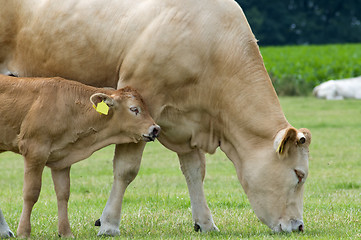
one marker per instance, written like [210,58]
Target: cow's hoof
[110,231]
[197,228]
[98,223]
[205,228]
[7,234]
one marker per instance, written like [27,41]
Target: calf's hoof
[22,236]
[68,235]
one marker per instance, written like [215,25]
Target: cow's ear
[285,139]
[307,136]
[101,97]
[291,137]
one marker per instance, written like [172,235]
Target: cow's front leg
[31,191]
[193,166]
[126,165]
[61,179]
[4,228]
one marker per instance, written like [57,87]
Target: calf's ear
[101,97]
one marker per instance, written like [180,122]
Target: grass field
[296,70]
[157,205]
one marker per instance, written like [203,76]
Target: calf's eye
[134,110]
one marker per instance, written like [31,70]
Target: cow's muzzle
[297,225]
[153,133]
[292,225]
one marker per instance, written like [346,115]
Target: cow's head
[130,116]
[326,90]
[274,185]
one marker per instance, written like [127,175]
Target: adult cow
[199,69]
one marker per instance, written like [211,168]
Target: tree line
[290,22]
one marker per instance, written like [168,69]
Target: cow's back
[96,42]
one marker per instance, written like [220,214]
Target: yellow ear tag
[280,148]
[102,108]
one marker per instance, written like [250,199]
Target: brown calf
[53,122]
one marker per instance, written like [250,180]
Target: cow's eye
[134,110]
[300,175]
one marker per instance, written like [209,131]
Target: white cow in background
[339,89]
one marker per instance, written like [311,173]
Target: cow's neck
[234,116]
[253,117]
[238,111]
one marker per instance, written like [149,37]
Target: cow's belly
[185,130]
[175,137]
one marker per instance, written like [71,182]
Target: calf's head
[129,114]
[274,185]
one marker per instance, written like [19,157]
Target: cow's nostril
[297,225]
[155,131]
[300,228]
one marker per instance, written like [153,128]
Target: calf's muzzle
[153,133]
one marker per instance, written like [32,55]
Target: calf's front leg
[193,166]
[31,191]
[61,179]
[126,165]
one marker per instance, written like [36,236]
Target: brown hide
[55,118]
[51,122]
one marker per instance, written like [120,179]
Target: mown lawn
[157,205]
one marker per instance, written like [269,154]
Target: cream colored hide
[197,66]
[270,196]
[52,122]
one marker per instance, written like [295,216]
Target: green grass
[296,70]
[157,205]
